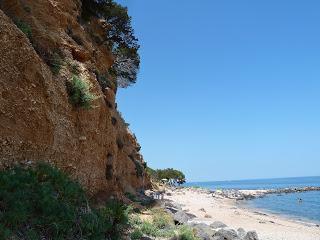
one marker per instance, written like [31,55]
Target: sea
[284,204]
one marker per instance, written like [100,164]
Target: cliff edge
[43,46]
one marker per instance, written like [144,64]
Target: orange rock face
[37,121]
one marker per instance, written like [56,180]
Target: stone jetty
[250,194]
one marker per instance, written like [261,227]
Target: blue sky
[227,89]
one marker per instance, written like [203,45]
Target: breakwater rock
[250,194]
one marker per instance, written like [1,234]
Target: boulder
[217,224]
[172,208]
[180,217]
[218,238]
[190,215]
[172,205]
[146,238]
[252,235]
[241,232]
[203,231]
[226,234]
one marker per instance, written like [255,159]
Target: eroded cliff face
[37,120]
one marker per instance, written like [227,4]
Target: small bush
[118,215]
[149,229]
[53,58]
[161,225]
[79,93]
[139,168]
[74,68]
[136,234]
[43,203]
[186,233]
[162,219]
[156,227]
[55,63]
[25,28]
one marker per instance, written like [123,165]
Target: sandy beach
[208,209]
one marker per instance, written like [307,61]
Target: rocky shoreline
[215,231]
[215,215]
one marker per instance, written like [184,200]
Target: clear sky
[227,89]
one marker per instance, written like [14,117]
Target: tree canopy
[120,38]
[168,173]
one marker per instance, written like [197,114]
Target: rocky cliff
[43,43]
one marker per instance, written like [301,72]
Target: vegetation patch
[79,93]
[74,68]
[25,28]
[55,62]
[168,173]
[139,168]
[43,203]
[53,58]
[159,225]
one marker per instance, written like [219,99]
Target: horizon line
[249,179]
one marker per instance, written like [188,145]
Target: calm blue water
[286,204]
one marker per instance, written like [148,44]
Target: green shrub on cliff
[25,28]
[55,63]
[79,93]
[119,38]
[43,203]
